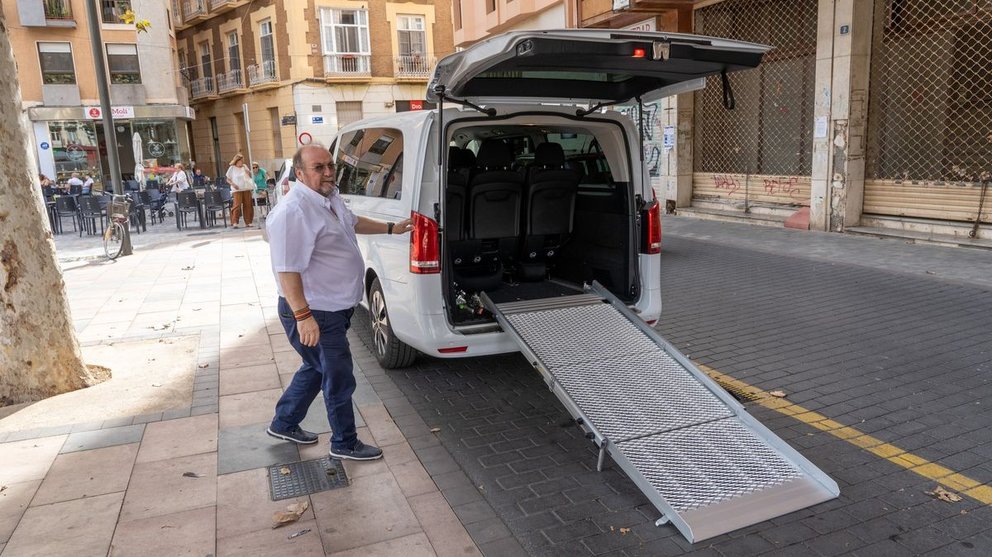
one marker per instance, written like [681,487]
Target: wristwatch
[389,227]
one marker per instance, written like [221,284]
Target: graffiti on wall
[652,149]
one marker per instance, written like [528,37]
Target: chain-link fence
[930,113]
[770,131]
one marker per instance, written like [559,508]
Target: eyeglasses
[320,168]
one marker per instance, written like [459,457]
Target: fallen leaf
[156,384]
[3,488]
[944,495]
[611,529]
[201,366]
[624,531]
[284,471]
[190,268]
[777,394]
[297,534]
[192,475]
[291,514]
[196,309]
[435,429]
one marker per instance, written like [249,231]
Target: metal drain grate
[304,478]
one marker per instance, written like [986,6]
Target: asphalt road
[892,340]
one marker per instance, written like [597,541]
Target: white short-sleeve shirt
[315,236]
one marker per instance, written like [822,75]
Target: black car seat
[493,200]
[549,209]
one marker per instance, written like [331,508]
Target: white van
[511,197]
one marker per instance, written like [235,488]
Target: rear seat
[549,209]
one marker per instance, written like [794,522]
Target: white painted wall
[155,53]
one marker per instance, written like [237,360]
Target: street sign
[316,120]
[44,145]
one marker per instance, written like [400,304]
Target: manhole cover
[304,478]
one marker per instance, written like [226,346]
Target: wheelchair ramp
[693,450]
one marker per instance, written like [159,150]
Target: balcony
[56,10]
[260,74]
[414,66]
[220,6]
[347,65]
[193,9]
[230,81]
[112,10]
[202,87]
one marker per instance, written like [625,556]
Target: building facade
[54,52]
[867,115]
[267,76]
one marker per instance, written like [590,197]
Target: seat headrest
[494,154]
[549,154]
[460,158]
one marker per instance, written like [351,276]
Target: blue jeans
[326,367]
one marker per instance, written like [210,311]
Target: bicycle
[118,211]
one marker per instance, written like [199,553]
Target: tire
[391,352]
[113,240]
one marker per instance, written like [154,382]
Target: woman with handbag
[242,186]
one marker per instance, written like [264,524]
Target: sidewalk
[193,480]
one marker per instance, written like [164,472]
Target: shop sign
[75,153]
[646,25]
[116,112]
[156,149]
[416,105]
[316,120]
[289,120]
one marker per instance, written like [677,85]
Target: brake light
[652,224]
[425,255]
[639,53]
[453,349]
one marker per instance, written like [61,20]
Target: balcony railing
[414,65]
[58,9]
[177,17]
[112,10]
[202,87]
[230,81]
[262,73]
[351,65]
[215,4]
[193,8]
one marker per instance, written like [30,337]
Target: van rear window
[370,163]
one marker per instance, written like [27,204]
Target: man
[74,185]
[319,274]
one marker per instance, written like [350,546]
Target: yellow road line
[944,476]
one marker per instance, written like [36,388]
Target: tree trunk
[39,353]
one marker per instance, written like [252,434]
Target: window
[411,36]
[56,63]
[122,61]
[490,6]
[370,163]
[276,132]
[345,31]
[112,10]
[233,51]
[268,47]
[348,112]
[208,72]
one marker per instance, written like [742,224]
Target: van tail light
[285,186]
[651,237]
[425,253]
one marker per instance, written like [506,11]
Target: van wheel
[391,352]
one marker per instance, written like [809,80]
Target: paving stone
[97,439]
[247,447]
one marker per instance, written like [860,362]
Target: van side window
[369,162]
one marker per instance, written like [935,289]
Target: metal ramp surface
[691,448]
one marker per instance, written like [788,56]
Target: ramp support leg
[661,521]
[602,455]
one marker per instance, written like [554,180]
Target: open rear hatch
[587,66]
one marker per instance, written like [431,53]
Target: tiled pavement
[193,480]
[888,338]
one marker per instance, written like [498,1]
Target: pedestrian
[88,185]
[242,186]
[319,274]
[179,181]
[199,180]
[260,176]
[74,185]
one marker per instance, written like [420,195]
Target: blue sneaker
[360,451]
[295,434]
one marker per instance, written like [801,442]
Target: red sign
[305,138]
[93,113]
[416,105]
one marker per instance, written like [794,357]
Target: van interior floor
[517,291]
